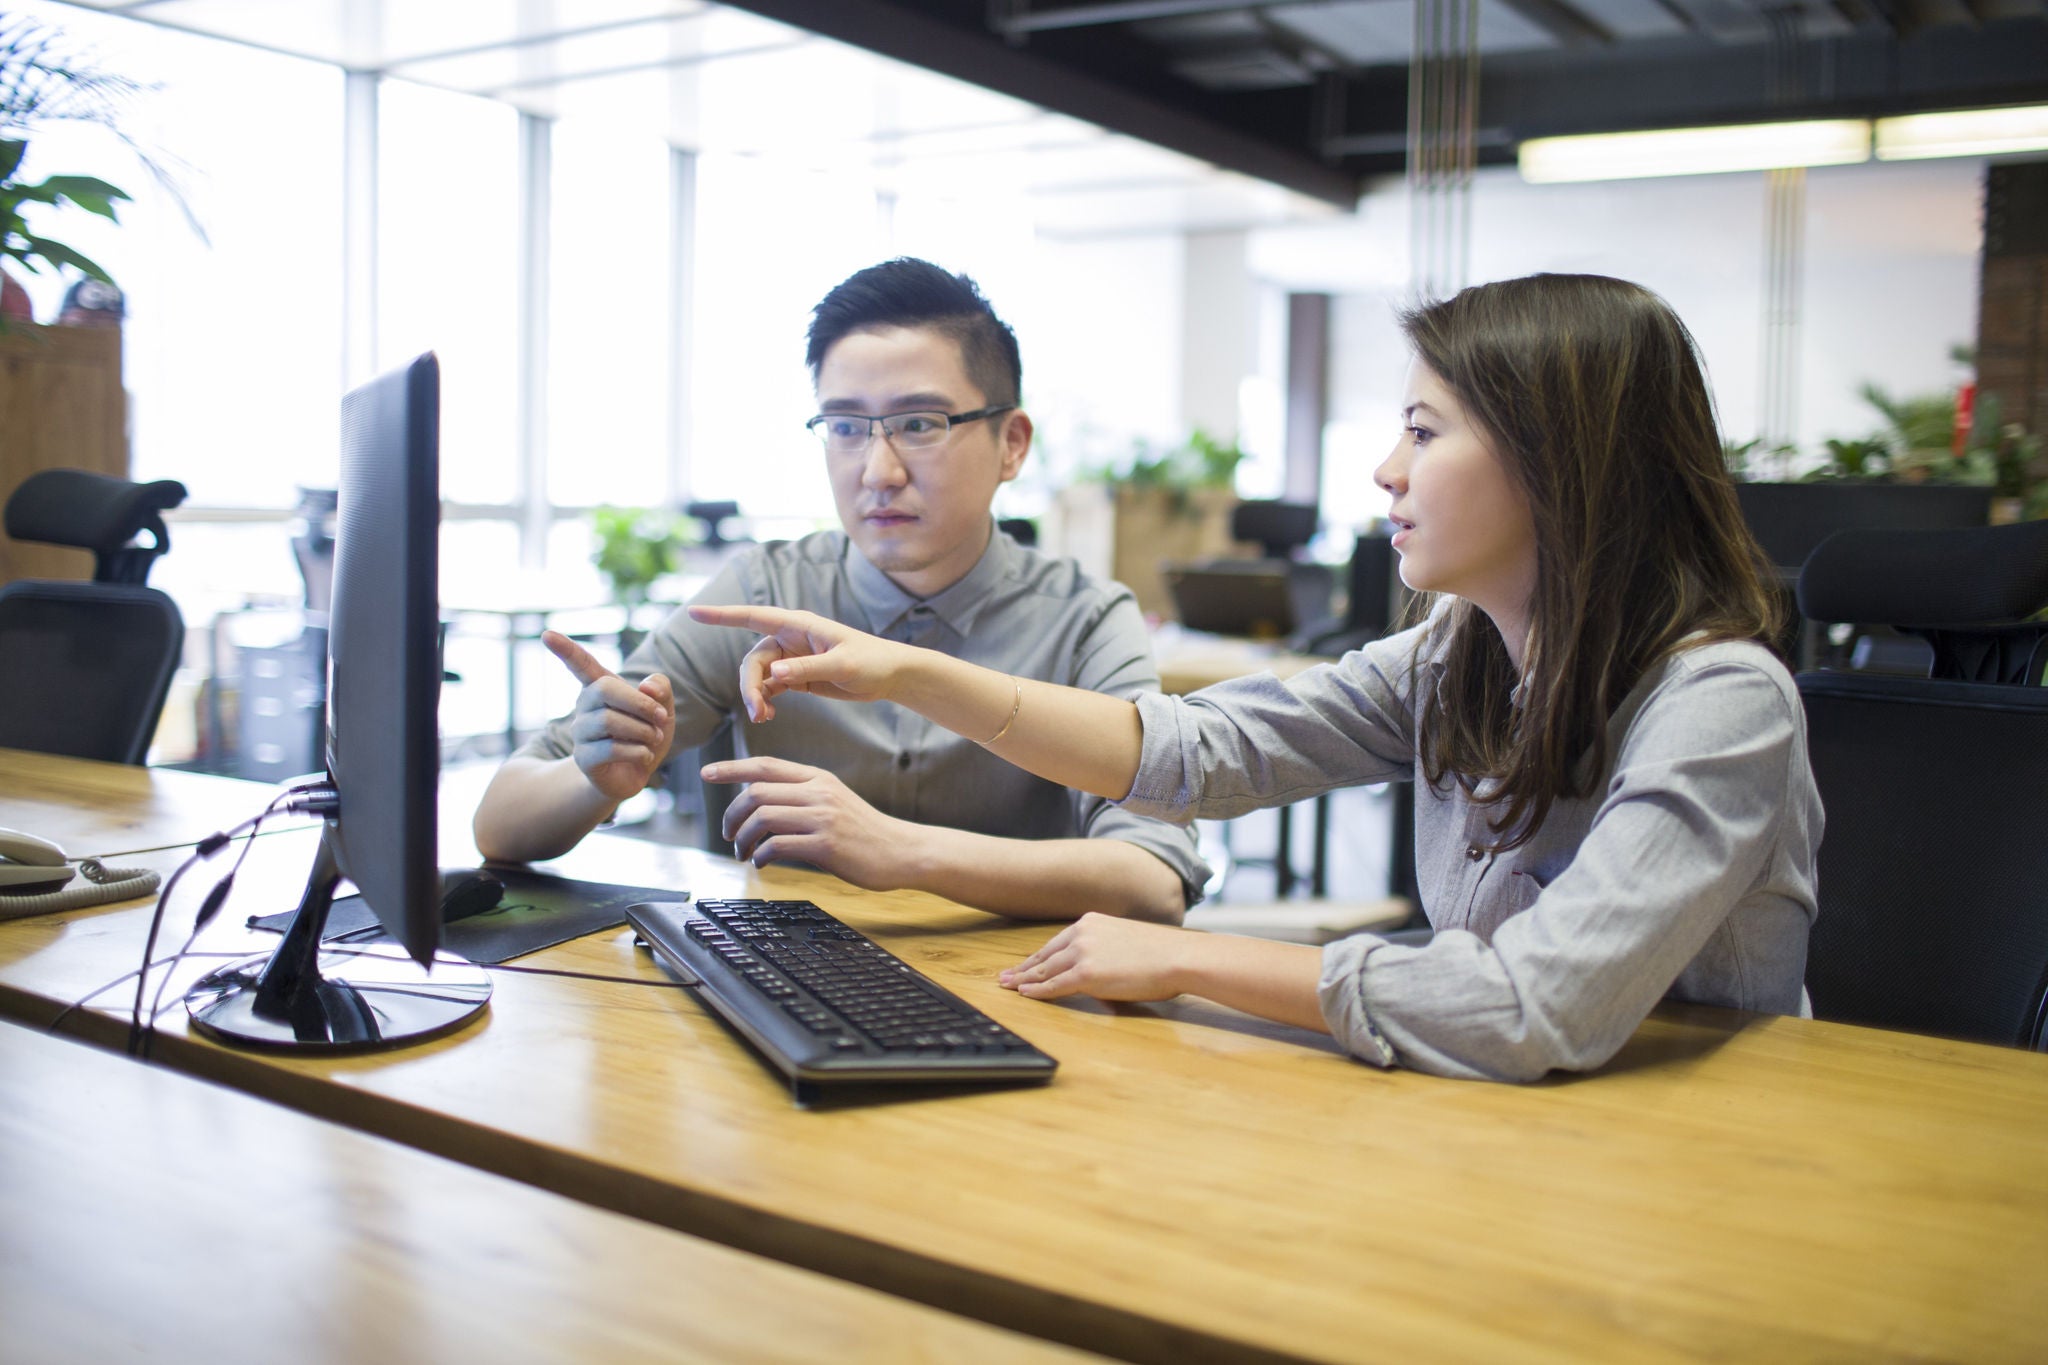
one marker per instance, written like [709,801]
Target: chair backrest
[1934,868]
[85,667]
[1790,520]
[313,546]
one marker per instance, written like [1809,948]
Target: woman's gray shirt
[1688,874]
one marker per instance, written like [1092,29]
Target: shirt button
[903,760]
[1475,853]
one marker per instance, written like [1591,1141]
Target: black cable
[57,1022]
[215,898]
[336,946]
[210,845]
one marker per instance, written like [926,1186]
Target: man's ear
[1015,439]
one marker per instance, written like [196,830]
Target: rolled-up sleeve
[1687,824]
[1115,657]
[1262,741]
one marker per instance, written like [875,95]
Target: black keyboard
[827,1005]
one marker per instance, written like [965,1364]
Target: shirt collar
[885,604]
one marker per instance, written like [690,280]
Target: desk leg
[511,685]
[1401,851]
[1319,878]
[518,627]
[1283,856]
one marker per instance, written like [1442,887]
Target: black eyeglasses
[849,433]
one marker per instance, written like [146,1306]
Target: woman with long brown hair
[1612,800]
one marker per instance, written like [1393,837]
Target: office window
[232,354]
[448,248]
[608,380]
[771,239]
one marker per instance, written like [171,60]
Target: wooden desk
[115,811]
[148,1215]
[1195,1186]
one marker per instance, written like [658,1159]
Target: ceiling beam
[1028,20]
[980,58]
[1545,95]
[1569,26]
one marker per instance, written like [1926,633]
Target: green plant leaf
[88,192]
[56,253]
[636,546]
[11,153]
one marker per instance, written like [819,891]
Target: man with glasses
[917,383]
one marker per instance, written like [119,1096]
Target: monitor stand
[358,998]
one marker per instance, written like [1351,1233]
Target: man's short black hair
[907,292]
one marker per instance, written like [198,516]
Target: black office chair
[711,518]
[1790,520]
[1281,530]
[1934,867]
[85,667]
[1272,596]
[1370,606]
[1023,530]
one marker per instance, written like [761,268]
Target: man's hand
[621,732]
[800,651]
[788,812]
[1106,957]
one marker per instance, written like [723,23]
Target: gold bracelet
[1018,706]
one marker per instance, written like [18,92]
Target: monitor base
[364,998]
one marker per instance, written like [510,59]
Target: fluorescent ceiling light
[1695,151]
[1964,132]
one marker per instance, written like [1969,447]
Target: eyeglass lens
[906,430]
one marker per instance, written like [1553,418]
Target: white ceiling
[714,79]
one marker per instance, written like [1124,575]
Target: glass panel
[771,239]
[448,249]
[476,647]
[608,322]
[233,341]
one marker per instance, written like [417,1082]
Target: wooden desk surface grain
[148,1215]
[1195,1185]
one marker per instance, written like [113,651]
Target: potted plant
[1906,474]
[636,547]
[1124,522]
[38,86]
[2003,455]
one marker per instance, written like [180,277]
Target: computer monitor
[383,761]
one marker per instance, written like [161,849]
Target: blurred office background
[611,219]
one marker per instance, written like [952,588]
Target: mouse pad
[538,910]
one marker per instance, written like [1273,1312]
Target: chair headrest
[94,512]
[1278,526]
[1985,575]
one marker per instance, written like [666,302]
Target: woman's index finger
[760,620]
